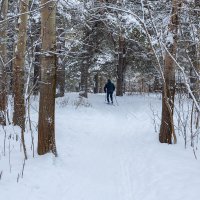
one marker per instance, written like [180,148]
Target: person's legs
[111,97]
[107,97]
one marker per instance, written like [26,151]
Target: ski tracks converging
[116,143]
[105,152]
[115,155]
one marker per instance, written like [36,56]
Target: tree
[36,70]
[46,124]
[197,63]
[167,133]
[121,65]
[60,72]
[3,59]
[18,69]
[86,62]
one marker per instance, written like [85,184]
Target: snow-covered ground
[105,152]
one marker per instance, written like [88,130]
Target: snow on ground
[105,152]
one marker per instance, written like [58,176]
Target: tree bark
[84,78]
[86,62]
[46,124]
[121,66]
[196,59]
[62,25]
[101,84]
[96,83]
[167,133]
[18,68]
[60,75]
[3,54]
[36,71]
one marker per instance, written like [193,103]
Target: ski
[112,104]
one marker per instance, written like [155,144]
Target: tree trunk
[36,71]
[86,62]
[3,53]
[18,68]
[101,84]
[96,83]
[46,124]
[84,78]
[196,59]
[61,80]
[121,66]
[167,134]
[60,74]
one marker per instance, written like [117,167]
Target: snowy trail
[107,153]
[98,165]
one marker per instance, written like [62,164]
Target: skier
[109,88]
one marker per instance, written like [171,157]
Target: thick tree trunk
[167,124]
[18,68]
[46,124]
[121,66]
[3,53]
[167,134]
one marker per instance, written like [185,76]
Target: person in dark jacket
[109,88]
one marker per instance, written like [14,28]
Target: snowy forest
[100,99]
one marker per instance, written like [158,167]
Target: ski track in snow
[105,152]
